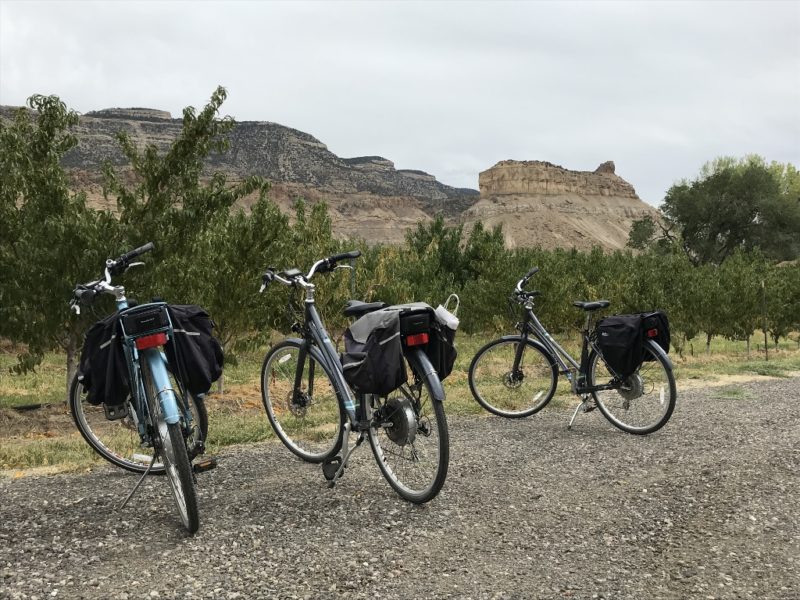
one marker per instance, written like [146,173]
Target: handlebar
[86,293]
[115,267]
[522,282]
[295,277]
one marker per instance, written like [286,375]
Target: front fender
[533,342]
[422,366]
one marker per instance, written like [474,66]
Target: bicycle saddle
[357,308]
[592,305]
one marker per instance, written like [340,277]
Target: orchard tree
[172,201]
[49,239]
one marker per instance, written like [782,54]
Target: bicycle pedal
[331,467]
[588,407]
[113,413]
[205,464]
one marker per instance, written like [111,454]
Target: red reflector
[418,339]
[652,332]
[151,341]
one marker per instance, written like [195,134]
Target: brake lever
[343,267]
[133,264]
[75,306]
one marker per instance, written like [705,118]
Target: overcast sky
[446,87]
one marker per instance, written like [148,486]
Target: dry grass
[47,439]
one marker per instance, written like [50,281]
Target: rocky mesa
[542,204]
[537,203]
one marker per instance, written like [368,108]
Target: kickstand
[138,483]
[587,406]
[345,457]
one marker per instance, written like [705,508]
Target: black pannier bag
[194,354]
[419,317]
[621,342]
[656,327]
[441,349]
[372,362]
[103,368]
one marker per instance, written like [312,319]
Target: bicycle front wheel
[410,441]
[307,419]
[645,401]
[118,441]
[171,446]
[513,392]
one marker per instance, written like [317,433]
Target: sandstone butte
[536,202]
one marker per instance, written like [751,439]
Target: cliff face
[539,203]
[367,196]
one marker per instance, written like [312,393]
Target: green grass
[238,417]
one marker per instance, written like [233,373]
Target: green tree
[49,239]
[732,205]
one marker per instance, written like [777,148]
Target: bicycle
[515,376]
[158,415]
[313,411]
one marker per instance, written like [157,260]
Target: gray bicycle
[314,413]
[516,375]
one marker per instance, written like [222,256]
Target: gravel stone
[708,507]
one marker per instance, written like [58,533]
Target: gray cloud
[447,87]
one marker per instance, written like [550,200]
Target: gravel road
[709,507]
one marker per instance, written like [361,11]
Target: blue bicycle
[170,424]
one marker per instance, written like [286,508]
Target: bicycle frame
[156,361]
[574,371]
[316,334]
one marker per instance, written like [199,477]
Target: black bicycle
[313,411]
[516,376]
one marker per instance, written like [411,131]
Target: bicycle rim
[507,392]
[646,399]
[411,443]
[172,449]
[116,441]
[308,421]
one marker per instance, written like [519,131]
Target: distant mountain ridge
[366,195]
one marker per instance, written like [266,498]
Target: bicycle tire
[118,441]
[396,453]
[504,393]
[172,448]
[312,429]
[642,406]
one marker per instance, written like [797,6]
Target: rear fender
[422,366]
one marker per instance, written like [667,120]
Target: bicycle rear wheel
[309,421]
[118,441]
[507,392]
[645,401]
[410,441]
[171,446]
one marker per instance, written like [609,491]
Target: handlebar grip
[134,253]
[338,257]
[531,273]
[84,296]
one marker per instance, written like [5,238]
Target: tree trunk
[708,343]
[748,346]
[221,383]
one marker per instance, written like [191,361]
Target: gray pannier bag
[372,362]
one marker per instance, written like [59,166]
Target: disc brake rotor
[297,403]
[513,379]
